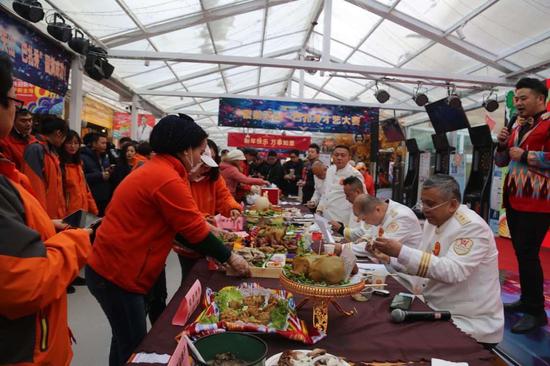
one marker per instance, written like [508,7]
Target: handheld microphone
[399,316]
[511,122]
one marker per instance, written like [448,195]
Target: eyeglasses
[18,103]
[423,207]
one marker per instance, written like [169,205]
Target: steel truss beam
[189,20]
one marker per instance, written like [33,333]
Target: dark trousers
[186,264]
[306,195]
[528,230]
[156,298]
[125,312]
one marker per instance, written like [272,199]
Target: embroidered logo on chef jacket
[392,227]
[462,246]
[437,249]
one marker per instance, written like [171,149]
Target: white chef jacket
[460,261]
[333,203]
[319,189]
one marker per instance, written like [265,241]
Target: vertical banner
[424,170]
[497,214]
[146,122]
[457,169]
[282,115]
[36,59]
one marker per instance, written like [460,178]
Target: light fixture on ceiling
[96,65]
[420,98]
[30,10]
[453,99]
[78,43]
[312,58]
[58,29]
[381,95]
[490,103]
[147,63]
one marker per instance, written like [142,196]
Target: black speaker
[30,10]
[107,69]
[78,43]
[59,30]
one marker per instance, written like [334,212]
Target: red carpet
[507,258]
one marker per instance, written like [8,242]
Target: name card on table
[180,357]
[188,304]
[227,223]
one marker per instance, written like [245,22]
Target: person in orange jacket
[41,165]
[13,146]
[36,264]
[75,187]
[149,208]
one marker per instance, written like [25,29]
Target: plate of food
[315,357]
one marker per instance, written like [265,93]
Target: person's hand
[265,183]
[503,136]
[239,265]
[59,224]
[336,226]
[235,214]
[515,153]
[387,246]
[381,257]
[210,219]
[311,204]
[287,176]
[301,183]
[338,249]
[319,212]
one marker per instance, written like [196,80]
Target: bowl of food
[232,349]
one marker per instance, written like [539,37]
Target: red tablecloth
[368,336]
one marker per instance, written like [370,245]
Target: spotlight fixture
[420,98]
[96,65]
[78,43]
[30,10]
[381,95]
[490,104]
[452,98]
[60,30]
[312,58]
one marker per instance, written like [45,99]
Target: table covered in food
[276,309]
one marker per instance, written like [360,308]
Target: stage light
[60,30]
[382,96]
[454,101]
[78,43]
[490,104]
[420,99]
[96,65]
[30,10]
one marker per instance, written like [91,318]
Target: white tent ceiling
[252,48]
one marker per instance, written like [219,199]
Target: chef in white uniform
[459,259]
[319,170]
[354,228]
[333,204]
[391,220]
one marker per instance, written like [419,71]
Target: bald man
[319,170]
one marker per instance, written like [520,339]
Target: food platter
[303,360]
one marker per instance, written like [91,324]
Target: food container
[272,195]
[245,347]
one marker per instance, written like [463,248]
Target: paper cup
[329,248]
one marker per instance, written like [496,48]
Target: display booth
[478,189]
[443,152]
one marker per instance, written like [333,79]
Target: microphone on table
[399,316]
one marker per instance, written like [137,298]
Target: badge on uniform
[392,227]
[462,246]
[437,249]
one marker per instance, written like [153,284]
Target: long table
[365,338]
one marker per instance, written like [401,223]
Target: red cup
[316,236]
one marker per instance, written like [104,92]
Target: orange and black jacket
[36,266]
[41,166]
[13,146]
[77,192]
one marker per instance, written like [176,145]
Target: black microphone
[511,122]
[399,316]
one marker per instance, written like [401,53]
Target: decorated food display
[316,269]
[315,357]
[251,308]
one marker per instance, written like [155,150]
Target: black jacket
[93,170]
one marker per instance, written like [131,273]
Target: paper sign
[180,357]
[188,304]
[226,223]
[143,357]
[324,226]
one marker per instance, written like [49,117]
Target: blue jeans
[125,312]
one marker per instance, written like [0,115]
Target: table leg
[320,315]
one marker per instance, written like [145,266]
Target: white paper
[324,226]
[150,358]
[439,362]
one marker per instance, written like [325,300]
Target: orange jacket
[13,146]
[369,183]
[213,197]
[138,161]
[36,266]
[148,208]
[42,168]
[77,192]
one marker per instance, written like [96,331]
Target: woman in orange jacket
[41,166]
[36,264]
[147,210]
[77,192]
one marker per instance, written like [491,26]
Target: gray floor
[90,326]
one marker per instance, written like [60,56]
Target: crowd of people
[164,194]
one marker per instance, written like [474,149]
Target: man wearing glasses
[13,146]
[458,259]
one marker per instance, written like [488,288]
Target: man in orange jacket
[36,264]
[13,146]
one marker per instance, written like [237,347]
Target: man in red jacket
[13,146]
[525,149]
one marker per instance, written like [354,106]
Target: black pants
[186,264]
[156,298]
[528,230]
[307,194]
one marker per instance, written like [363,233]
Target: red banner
[267,141]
